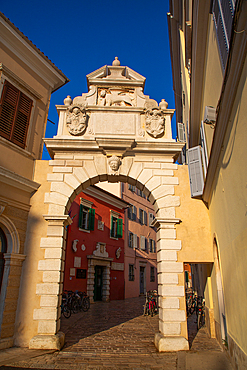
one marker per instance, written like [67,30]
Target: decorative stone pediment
[100,250]
[113,117]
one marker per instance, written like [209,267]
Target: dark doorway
[3,249]
[142,277]
[98,283]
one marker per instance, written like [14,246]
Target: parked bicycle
[191,301]
[200,312]
[151,304]
[65,308]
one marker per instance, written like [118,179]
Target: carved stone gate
[113,133]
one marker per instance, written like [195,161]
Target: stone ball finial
[116,62]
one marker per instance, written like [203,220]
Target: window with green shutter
[116,227]
[86,217]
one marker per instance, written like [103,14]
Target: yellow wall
[26,327]
[194,229]
[227,210]
[213,79]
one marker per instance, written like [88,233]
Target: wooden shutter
[154,246]
[195,171]
[130,213]
[145,218]
[141,216]
[119,228]
[15,110]
[80,216]
[91,216]
[134,213]
[130,240]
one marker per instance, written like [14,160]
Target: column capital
[160,222]
[15,259]
[58,220]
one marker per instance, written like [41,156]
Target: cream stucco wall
[213,79]
[194,228]
[26,327]
[229,201]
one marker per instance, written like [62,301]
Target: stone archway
[113,133]
[160,189]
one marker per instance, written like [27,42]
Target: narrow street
[116,335]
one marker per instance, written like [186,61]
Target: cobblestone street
[116,335]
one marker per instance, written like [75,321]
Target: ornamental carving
[114,164]
[77,119]
[155,122]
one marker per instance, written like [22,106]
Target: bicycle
[200,312]
[82,300]
[150,306]
[65,308]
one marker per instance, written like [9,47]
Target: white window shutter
[135,240]
[204,149]
[181,132]
[143,242]
[195,171]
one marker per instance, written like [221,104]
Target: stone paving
[116,335]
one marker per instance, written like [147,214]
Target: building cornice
[13,39]
[7,72]
[17,181]
[171,148]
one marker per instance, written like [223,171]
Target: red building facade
[94,259]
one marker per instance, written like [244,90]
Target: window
[15,111]
[86,215]
[131,273]
[152,275]
[143,243]
[223,12]
[132,212]
[132,188]
[152,247]
[151,217]
[3,249]
[132,240]
[116,225]
[142,217]
[141,194]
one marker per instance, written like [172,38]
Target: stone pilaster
[172,311]
[50,289]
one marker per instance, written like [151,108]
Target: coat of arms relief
[155,122]
[77,120]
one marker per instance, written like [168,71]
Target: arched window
[3,249]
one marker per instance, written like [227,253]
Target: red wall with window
[87,241]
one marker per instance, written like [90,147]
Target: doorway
[98,283]
[142,279]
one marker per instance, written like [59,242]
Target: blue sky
[82,36]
